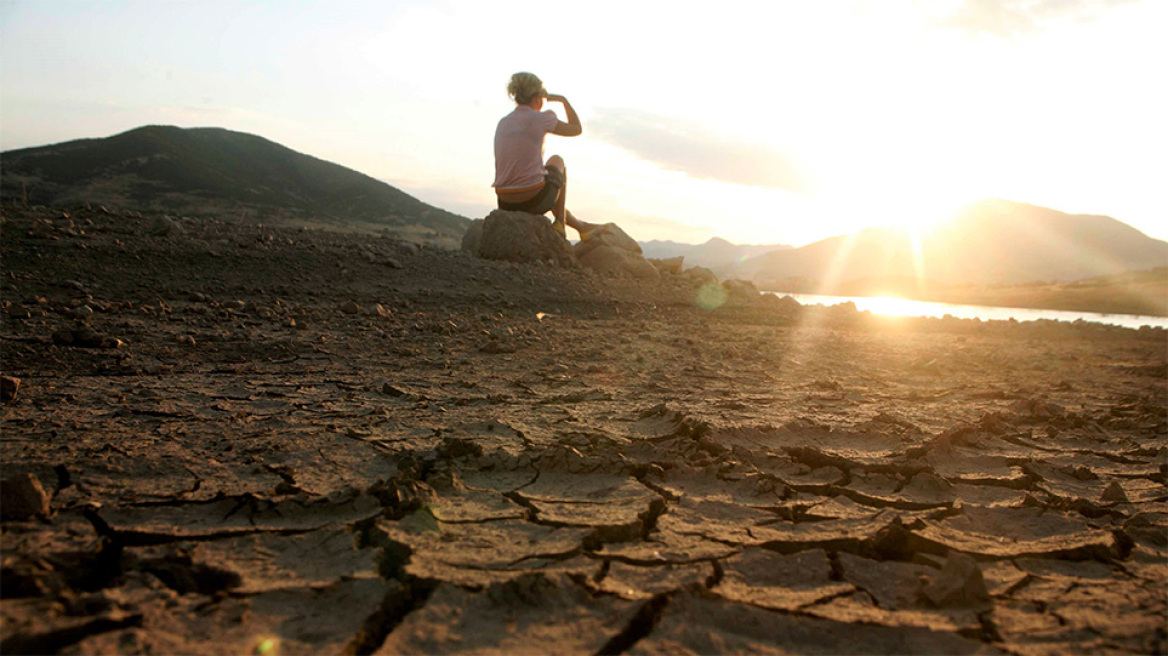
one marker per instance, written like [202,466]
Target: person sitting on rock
[523,181]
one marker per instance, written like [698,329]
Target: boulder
[609,250]
[607,235]
[743,289]
[669,266]
[520,237]
[470,240]
[607,259]
[700,276]
[783,304]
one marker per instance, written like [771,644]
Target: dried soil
[273,440]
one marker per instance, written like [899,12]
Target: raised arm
[572,128]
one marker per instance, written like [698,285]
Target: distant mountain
[214,171]
[717,254]
[989,242]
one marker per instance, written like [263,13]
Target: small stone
[163,226]
[8,388]
[23,497]
[88,337]
[1114,494]
[350,307]
[63,337]
[186,340]
[82,313]
[960,583]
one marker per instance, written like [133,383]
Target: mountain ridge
[220,171]
[715,253]
[991,242]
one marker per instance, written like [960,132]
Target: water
[898,307]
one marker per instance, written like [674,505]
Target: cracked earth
[236,438]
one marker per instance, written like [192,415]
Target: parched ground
[272,441]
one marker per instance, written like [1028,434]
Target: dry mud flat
[254,439]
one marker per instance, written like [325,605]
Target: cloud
[679,145]
[1009,18]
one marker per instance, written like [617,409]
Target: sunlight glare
[892,306]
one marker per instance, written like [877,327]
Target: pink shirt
[519,148]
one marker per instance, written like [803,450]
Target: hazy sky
[762,122]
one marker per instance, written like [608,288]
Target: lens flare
[711,296]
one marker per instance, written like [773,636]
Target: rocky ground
[221,438]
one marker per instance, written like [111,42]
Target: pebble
[350,307]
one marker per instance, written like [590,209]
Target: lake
[899,307]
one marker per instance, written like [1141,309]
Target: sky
[776,122]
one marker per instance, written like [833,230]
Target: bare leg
[560,212]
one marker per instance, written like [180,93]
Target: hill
[717,253]
[993,242]
[219,172]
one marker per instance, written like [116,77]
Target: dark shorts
[543,201]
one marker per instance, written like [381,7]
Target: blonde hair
[524,87]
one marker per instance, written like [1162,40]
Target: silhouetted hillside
[717,254]
[990,242]
[217,171]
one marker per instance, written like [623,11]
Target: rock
[609,235]
[81,313]
[700,275]
[610,250]
[785,304]
[63,337]
[472,237]
[89,338]
[84,337]
[671,266]
[23,497]
[350,307]
[741,288]
[389,389]
[8,388]
[522,237]
[607,259]
[164,226]
[1114,494]
[960,583]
